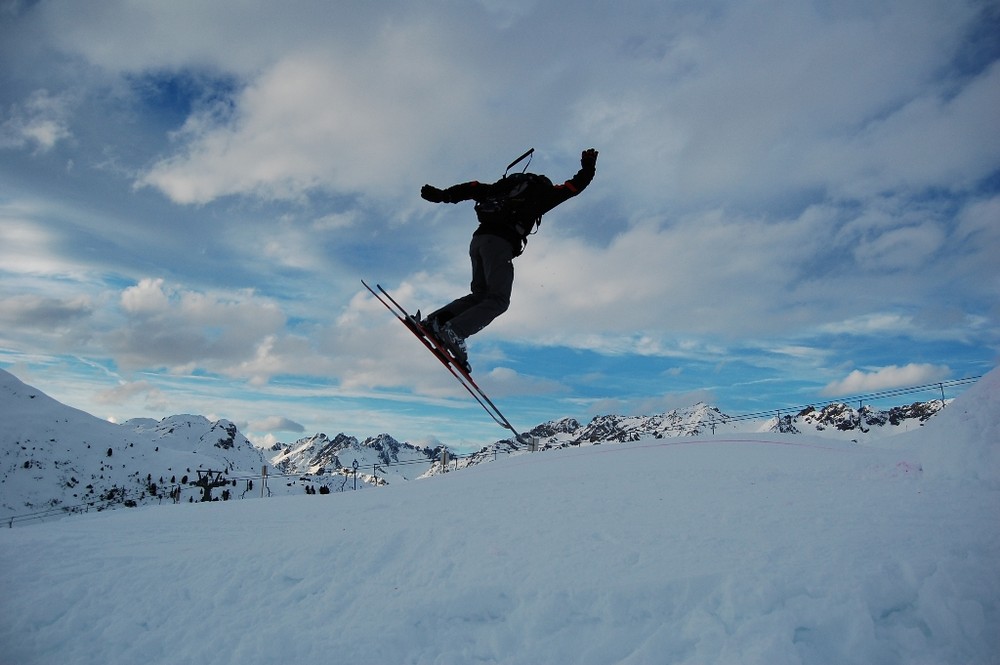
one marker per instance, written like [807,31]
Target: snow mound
[756,548]
[963,440]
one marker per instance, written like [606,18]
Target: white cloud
[884,378]
[946,136]
[146,297]
[752,102]
[335,221]
[42,121]
[241,36]
[314,120]
[908,247]
[29,247]
[708,274]
[130,392]
[44,313]
[978,234]
[183,329]
[276,424]
[504,381]
[877,324]
[725,103]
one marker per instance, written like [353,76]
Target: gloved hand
[432,194]
[588,159]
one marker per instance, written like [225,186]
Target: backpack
[516,203]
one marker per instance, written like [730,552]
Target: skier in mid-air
[508,210]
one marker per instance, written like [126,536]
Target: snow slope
[56,458]
[734,548]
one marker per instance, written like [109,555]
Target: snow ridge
[57,459]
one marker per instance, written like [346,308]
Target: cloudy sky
[795,200]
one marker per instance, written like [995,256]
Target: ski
[435,346]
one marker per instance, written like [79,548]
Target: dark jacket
[510,230]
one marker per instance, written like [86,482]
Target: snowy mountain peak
[317,454]
[221,434]
[844,418]
[57,457]
[555,427]
[690,421]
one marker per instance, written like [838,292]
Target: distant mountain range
[858,422]
[55,459]
[331,462]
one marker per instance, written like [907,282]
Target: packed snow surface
[750,548]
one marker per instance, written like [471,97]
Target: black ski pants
[492,281]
